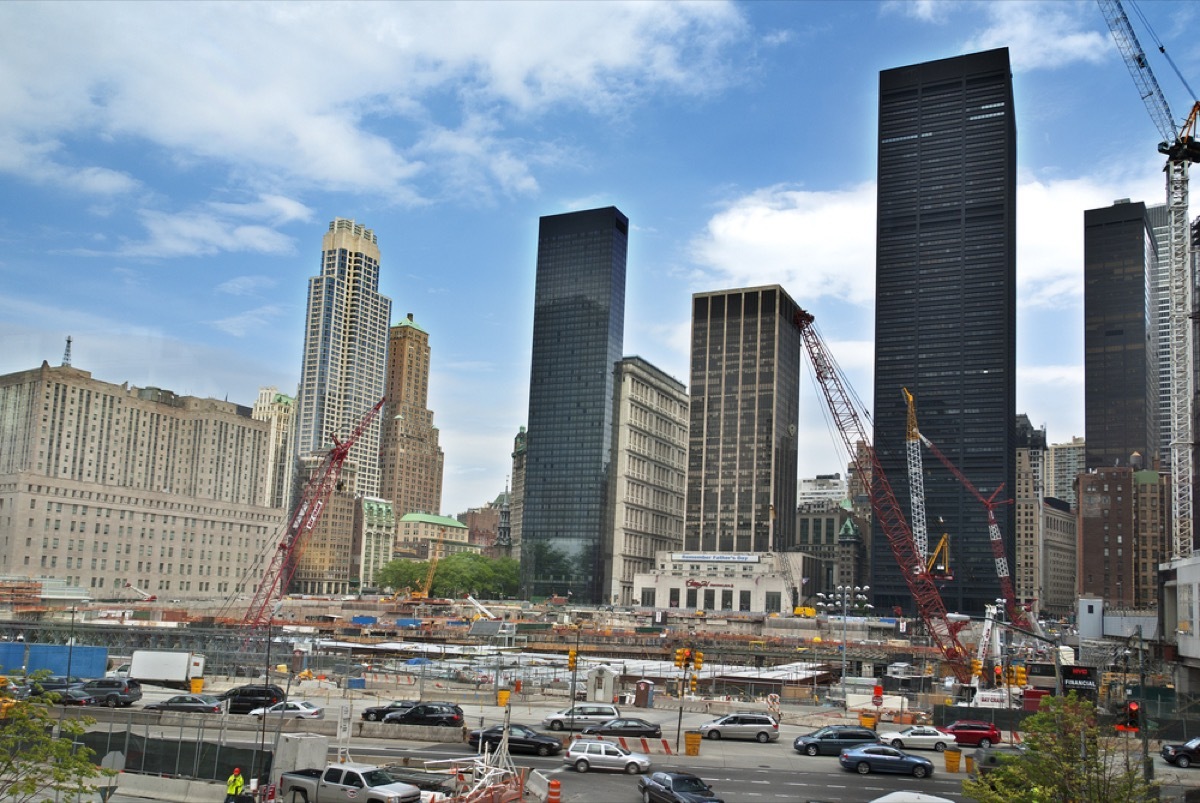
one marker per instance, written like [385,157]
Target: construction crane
[1180,147]
[941,628]
[274,583]
[435,554]
[146,596]
[916,479]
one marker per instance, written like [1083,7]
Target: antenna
[67,352]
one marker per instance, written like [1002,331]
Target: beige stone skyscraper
[410,460]
[279,411]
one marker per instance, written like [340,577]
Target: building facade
[578,332]
[745,396]
[375,526]
[428,536]
[725,582]
[945,304]
[827,531]
[516,503]
[649,474]
[345,351]
[1029,570]
[1059,558]
[1064,463]
[103,485]
[1124,516]
[411,460]
[1121,401]
[279,411]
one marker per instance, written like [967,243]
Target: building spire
[67,352]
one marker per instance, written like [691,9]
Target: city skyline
[164,210]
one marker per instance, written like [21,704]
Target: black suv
[244,699]
[447,714]
[831,740]
[113,692]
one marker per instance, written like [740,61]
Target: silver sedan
[919,737]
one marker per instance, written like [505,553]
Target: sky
[167,171]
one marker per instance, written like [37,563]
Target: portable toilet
[643,695]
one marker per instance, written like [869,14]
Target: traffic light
[698,659]
[679,657]
[976,667]
[1133,718]
[572,659]
[1022,676]
[693,683]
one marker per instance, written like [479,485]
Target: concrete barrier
[154,787]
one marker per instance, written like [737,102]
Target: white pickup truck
[339,783]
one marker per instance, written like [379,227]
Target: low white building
[750,582]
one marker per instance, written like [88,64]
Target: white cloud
[311,94]
[1043,35]
[245,322]
[937,11]
[246,285]
[36,162]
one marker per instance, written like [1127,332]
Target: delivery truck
[177,669]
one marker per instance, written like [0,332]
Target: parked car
[114,691]
[1182,755]
[188,704]
[74,696]
[761,727]
[290,709]
[974,732]
[913,737]
[625,727]
[586,754]
[244,699]
[676,787]
[377,712]
[833,739]
[445,714]
[520,739]
[121,671]
[869,758]
[580,716]
[37,687]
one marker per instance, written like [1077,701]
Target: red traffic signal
[1132,718]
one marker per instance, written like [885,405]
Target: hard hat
[237,771]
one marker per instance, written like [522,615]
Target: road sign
[877,700]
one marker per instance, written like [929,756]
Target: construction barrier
[970,763]
[691,742]
[867,720]
[647,746]
[554,795]
[952,758]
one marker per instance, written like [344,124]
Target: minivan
[580,716]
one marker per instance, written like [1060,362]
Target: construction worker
[234,786]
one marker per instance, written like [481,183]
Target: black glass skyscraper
[945,307]
[578,331]
[746,353]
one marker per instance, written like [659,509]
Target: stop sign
[877,700]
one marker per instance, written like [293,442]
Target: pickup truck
[360,783]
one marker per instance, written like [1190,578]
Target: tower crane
[274,583]
[1181,149]
[916,479]
[435,554]
[932,610]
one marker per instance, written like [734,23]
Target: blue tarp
[418,661]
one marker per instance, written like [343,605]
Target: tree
[399,574]
[456,575]
[1070,757]
[40,758]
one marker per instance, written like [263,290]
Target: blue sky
[167,171]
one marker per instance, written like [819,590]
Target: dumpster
[691,742]
[502,698]
[867,720]
[953,756]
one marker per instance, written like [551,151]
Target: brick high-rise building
[411,458]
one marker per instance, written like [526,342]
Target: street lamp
[845,597]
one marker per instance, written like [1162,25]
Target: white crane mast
[916,480]
[1181,149]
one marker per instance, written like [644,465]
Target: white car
[291,709]
[918,737]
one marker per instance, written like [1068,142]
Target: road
[740,772]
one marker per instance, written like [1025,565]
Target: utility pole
[1147,762]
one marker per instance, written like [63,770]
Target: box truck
[177,669]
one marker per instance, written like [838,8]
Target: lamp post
[845,597]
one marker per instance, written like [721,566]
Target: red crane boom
[888,512]
[320,485]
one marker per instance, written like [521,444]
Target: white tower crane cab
[144,595]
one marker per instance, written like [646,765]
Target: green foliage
[458,574]
[39,757]
[1070,757]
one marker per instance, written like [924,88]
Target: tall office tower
[741,491]
[1121,399]
[411,460]
[375,531]
[103,485]
[1059,563]
[578,331]
[945,305]
[1123,518]
[1064,463]
[279,411]
[345,352]
[1028,498]
[1160,316]
[649,461]
[516,499]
